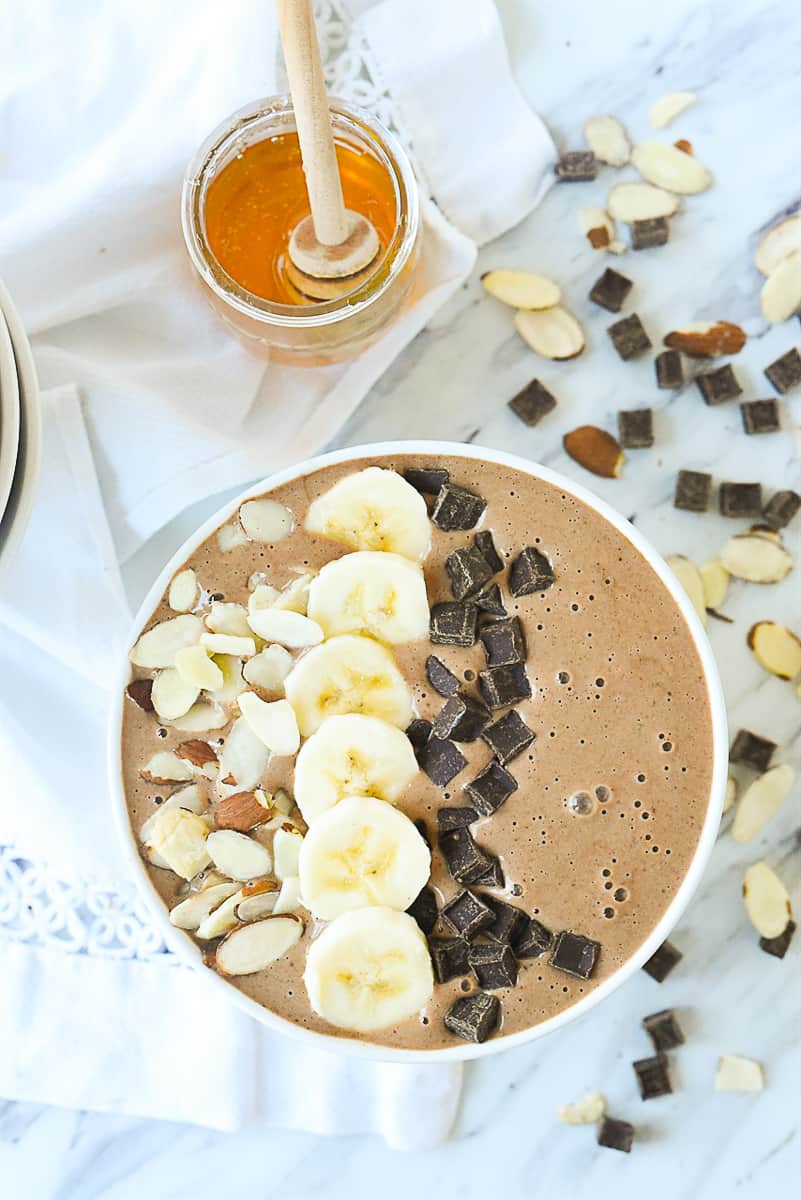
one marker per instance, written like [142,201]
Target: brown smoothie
[620,712]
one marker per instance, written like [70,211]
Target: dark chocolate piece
[785,372]
[424,909]
[493,876]
[465,861]
[718,386]
[574,954]
[467,570]
[669,369]
[781,508]
[457,508]
[466,914]
[491,788]
[441,761]
[653,1079]
[610,290]
[616,1135]
[455,818]
[740,499]
[473,1018]
[635,428]
[752,750]
[509,924]
[490,601]
[576,166]
[502,686]
[530,572]
[448,958]
[486,544]
[428,480]
[453,624]
[493,964]
[692,491]
[461,718]
[532,403]
[629,337]
[662,962]
[778,946]
[653,231]
[534,940]
[508,736]
[139,690]
[760,416]
[503,642]
[418,733]
[441,679]
[664,1030]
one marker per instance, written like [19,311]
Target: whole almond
[240,811]
[707,339]
[198,752]
[595,450]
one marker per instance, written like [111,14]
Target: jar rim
[346,117]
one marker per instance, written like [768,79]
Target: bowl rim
[189,952]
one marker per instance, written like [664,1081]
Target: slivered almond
[597,226]
[755,558]
[231,536]
[266,520]
[667,108]
[776,648]
[781,292]
[237,855]
[225,617]
[268,669]
[195,667]
[760,801]
[595,450]
[707,339]
[690,579]
[766,901]
[666,167]
[522,289]
[738,1074]
[244,757]
[201,717]
[253,947]
[190,913]
[608,140]
[172,695]
[715,580]
[165,767]
[221,920]
[258,900]
[240,811]
[554,333]
[778,243]
[159,645]
[630,202]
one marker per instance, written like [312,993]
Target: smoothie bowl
[419,748]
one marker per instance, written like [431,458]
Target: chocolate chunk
[574,954]
[448,958]
[760,416]
[418,733]
[455,818]
[473,1018]
[530,572]
[662,962]
[778,946]
[740,499]
[490,601]
[424,909]
[752,750]
[491,788]
[532,403]
[453,624]
[635,428]
[785,372]
[692,491]
[664,1030]
[485,543]
[508,737]
[718,386]
[441,761]
[493,964]
[534,940]
[652,1077]
[610,290]
[509,923]
[502,686]
[467,570]
[493,876]
[441,679]
[503,642]
[629,337]
[465,861]
[422,829]
[461,718]
[466,914]
[654,231]
[781,508]
[139,691]
[669,369]
[576,166]
[457,508]
[616,1135]
[428,480]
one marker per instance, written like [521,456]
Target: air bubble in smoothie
[581,803]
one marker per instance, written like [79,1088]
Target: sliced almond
[287,628]
[289,897]
[196,752]
[778,243]
[244,758]
[266,520]
[737,1074]
[165,767]
[683,145]
[707,339]
[172,695]
[715,581]
[630,202]
[254,947]
[225,617]
[666,167]
[555,333]
[522,289]
[755,558]
[258,901]
[597,226]
[159,645]
[190,913]
[766,531]
[608,140]
[273,721]
[595,450]
[237,855]
[196,668]
[667,108]
[201,717]
[731,794]
[182,595]
[231,536]
[776,648]
[760,801]
[766,901]
[287,842]
[224,643]
[232,680]
[269,669]
[295,596]
[179,838]
[283,801]
[241,811]
[264,595]
[585,1111]
[221,920]
[689,577]
[781,292]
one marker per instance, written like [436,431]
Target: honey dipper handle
[305,71]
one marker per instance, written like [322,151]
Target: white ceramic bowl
[190,952]
[9,415]
[26,473]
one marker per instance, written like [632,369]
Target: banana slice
[373,509]
[352,755]
[369,970]
[362,852]
[347,674]
[383,595]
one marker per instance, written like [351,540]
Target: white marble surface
[574,60]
